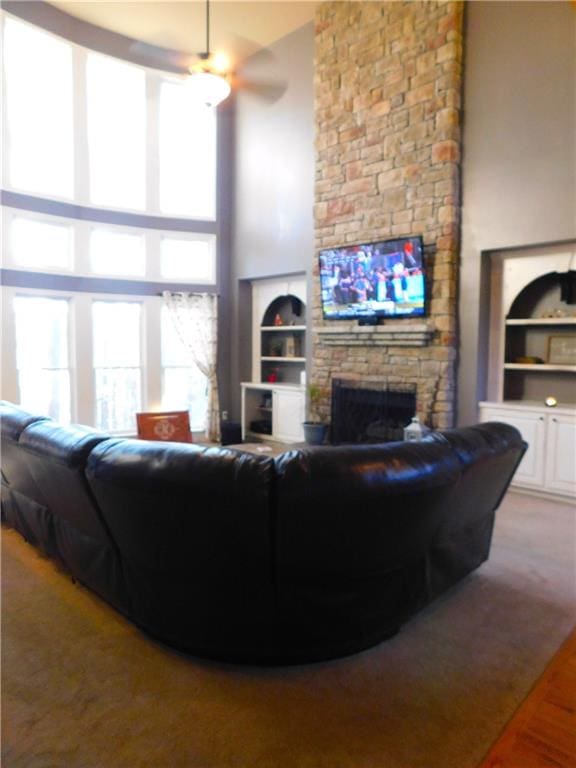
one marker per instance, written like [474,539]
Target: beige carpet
[83,688]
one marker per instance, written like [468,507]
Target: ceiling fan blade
[148,54]
[269,91]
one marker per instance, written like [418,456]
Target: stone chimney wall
[388,82]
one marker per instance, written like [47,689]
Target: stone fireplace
[387,111]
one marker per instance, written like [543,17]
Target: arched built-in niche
[283,340]
[532,348]
[529,319]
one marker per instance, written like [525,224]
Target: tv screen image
[372,280]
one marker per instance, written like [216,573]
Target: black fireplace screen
[370,412]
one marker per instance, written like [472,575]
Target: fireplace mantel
[391,335]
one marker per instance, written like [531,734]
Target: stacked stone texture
[388,113]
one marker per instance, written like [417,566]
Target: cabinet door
[288,415]
[530,472]
[561,454]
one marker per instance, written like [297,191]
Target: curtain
[195,317]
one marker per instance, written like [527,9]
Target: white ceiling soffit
[237,28]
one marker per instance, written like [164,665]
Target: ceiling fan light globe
[208,88]
[219,63]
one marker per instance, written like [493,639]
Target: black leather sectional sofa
[315,554]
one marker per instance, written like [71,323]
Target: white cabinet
[288,415]
[561,453]
[549,464]
[272,412]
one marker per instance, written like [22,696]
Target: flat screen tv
[373,280]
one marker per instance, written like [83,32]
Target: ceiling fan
[209,80]
[208,75]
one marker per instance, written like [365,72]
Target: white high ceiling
[237,28]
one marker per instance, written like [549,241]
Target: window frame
[81,215]
[80,161]
[81,231]
[80,349]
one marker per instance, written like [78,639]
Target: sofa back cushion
[352,509]
[353,528]
[15,472]
[56,456]
[192,525]
[488,455]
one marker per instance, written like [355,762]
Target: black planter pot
[315,432]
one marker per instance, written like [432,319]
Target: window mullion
[152,142]
[6,153]
[81,177]
[152,357]
[81,360]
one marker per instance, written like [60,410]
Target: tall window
[150,148]
[39,110]
[183,386]
[188,259]
[40,244]
[117,363]
[116,101]
[42,355]
[117,253]
[187,155]
[129,163]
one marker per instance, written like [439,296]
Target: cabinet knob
[555,420]
[540,418]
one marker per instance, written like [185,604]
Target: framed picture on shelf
[290,347]
[562,349]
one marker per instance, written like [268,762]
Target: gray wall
[519,161]
[273,180]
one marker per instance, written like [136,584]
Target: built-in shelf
[540,367]
[542,321]
[278,359]
[280,328]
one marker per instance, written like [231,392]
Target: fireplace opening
[370,412]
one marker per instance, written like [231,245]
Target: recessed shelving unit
[273,402]
[283,340]
[536,316]
[533,361]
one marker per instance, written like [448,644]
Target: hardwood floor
[542,733]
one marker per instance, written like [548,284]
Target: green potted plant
[314,430]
